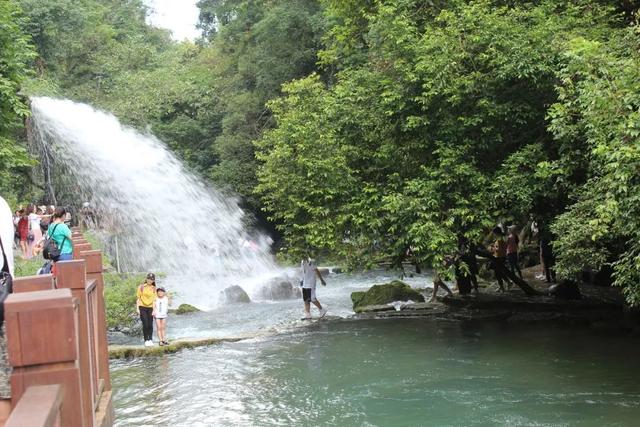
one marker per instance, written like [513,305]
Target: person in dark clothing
[467,254]
[145,297]
[513,241]
[499,250]
[548,258]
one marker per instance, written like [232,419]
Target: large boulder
[233,295]
[385,294]
[567,289]
[278,289]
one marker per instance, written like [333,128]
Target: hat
[151,276]
[160,289]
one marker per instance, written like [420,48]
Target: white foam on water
[167,219]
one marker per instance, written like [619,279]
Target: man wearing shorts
[309,274]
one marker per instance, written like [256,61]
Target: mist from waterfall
[165,218]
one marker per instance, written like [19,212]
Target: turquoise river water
[402,372]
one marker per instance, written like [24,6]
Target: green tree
[599,106]
[16,53]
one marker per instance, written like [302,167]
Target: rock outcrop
[234,295]
[186,309]
[278,289]
[385,294]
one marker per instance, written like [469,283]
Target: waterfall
[165,218]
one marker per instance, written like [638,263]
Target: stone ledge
[132,351]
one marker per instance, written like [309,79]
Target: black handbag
[6,282]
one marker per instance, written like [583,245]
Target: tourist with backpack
[145,297]
[58,246]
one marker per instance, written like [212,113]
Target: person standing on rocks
[513,242]
[145,297]
[310,273]
[160,313]
[499,249]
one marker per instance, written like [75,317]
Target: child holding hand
[160,313]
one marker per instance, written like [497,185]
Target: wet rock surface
[601,308]
[279,289]
[234,295]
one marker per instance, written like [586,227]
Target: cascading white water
[165,218]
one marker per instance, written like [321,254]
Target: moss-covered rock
[132,351]
[384,294]
[186,309]
[356,297]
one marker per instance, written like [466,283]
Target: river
[401,372]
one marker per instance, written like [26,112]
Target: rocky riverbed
[599,307]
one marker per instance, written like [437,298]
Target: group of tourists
[152,303]
[34,224]
[504,259]
[506,249]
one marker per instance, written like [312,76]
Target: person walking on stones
[513,242]
[145,297]
[310,273]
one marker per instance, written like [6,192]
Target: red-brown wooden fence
[57,345]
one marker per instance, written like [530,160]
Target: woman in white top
[35,232]
[6,234]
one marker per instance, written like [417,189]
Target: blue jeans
[65,257]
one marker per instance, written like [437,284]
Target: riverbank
[599,307]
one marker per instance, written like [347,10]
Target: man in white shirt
[6,233]
[309,274]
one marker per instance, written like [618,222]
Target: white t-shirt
[161,307]
[6,233]
[308,274]
[34,222]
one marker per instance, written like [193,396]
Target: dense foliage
[15,53]
[444,119]
[367,127]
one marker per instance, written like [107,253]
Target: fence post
[80,247]
[42,346]
[71,275]
[42,282]
[93,265]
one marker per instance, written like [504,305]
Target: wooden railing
[57,335]
[39,406]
